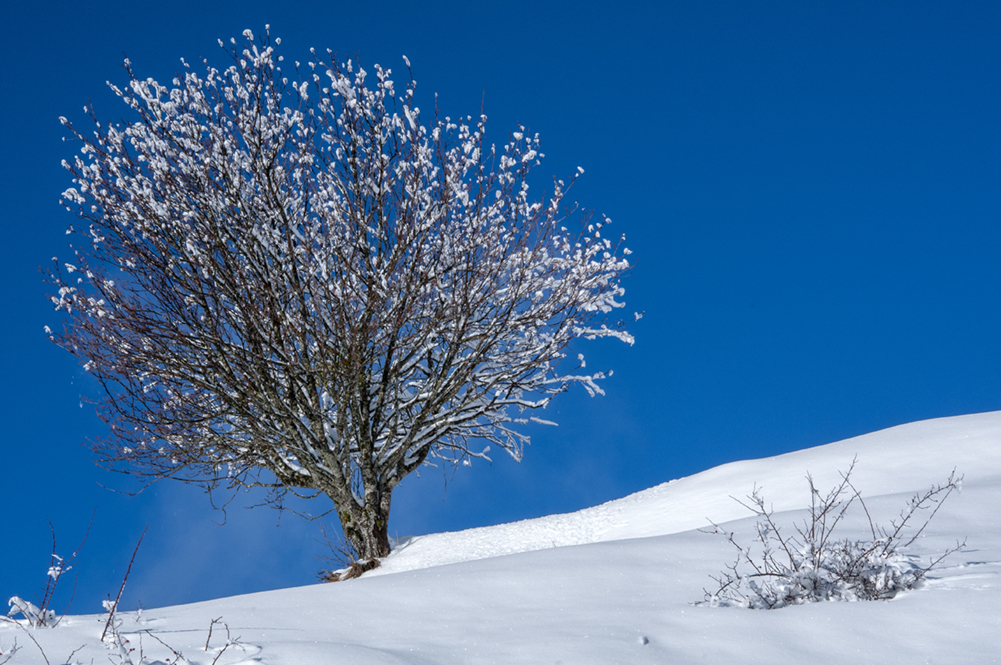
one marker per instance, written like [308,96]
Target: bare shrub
[122,651]
[42,614]
[812,565]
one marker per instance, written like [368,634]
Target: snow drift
[617,583]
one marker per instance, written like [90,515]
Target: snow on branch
[811,565]
[298,271]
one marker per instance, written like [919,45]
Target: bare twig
[32,638]
[114,605]
[221,652]
[178,656]
[930,497]
[10,652]
[229,640]
[872,525]
[211,625]
[69,658]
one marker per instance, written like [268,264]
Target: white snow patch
[620,584]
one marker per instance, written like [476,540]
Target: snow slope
[616,583]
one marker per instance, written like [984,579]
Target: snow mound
[620,584]
[898,460]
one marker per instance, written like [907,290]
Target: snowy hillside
[616,583]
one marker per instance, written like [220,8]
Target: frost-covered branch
[289,270]
[811,565]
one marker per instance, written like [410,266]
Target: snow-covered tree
[288,278]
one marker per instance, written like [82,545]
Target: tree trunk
[367,528]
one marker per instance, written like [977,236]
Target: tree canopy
[287,277]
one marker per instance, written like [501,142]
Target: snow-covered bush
[41,615]
[35,616]
[811,565]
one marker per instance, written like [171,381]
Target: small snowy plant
[36,616]
[41,615]
[811,565]
[7,653]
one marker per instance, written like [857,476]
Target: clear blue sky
[812,192]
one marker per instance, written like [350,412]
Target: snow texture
[617,583]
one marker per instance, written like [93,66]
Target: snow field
[616,583]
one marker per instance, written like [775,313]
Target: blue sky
[812,192]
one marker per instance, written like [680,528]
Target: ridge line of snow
[900,459]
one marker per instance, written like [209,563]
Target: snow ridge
[616,583]
[898,460]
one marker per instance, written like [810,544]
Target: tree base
[356,569]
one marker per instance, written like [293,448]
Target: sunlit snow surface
[616,583]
